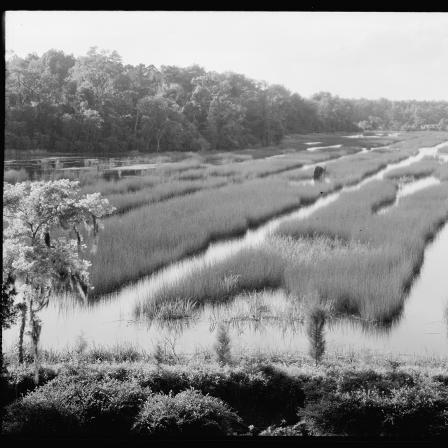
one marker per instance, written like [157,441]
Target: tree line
[95,103]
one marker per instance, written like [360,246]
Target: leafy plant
[187,414]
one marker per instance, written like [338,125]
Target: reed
[149,237]
[248,270]
[417,170]
[372,284]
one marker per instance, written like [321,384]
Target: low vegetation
[196,397]
[418,170]
[152,236]
[360,263]
[372,284]
[250,269]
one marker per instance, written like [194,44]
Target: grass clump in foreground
[351,395]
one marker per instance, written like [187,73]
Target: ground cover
[356,395]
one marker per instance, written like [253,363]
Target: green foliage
[77,405]
[416,411]
[8,310]
[340,397]
[187,414]
[96,103]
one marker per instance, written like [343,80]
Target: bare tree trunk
[1,349]
[2,379]
[35,333]
[135,129]
[136,124]
[21,331]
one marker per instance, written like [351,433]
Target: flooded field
[269,320]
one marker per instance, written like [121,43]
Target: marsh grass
[152,236]
[248,270]
[125,202]
[352,170]
[442,171]
[190,176]
[259,307]
[143,240]
[418,170]
[165,217]
[346,219]
[168,310]
[372,284]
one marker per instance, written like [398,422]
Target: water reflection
[109,168]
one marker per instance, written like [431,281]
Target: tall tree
[158,116]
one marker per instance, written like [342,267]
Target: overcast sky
[371,55]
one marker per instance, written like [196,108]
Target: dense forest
[60,103]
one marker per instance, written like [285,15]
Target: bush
[407,411]
[76,405]
[262,394]
[189,413]
[20,380]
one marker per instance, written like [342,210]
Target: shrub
[189,413]
[20,380]
[417,411]
[76,405]
[263,395]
